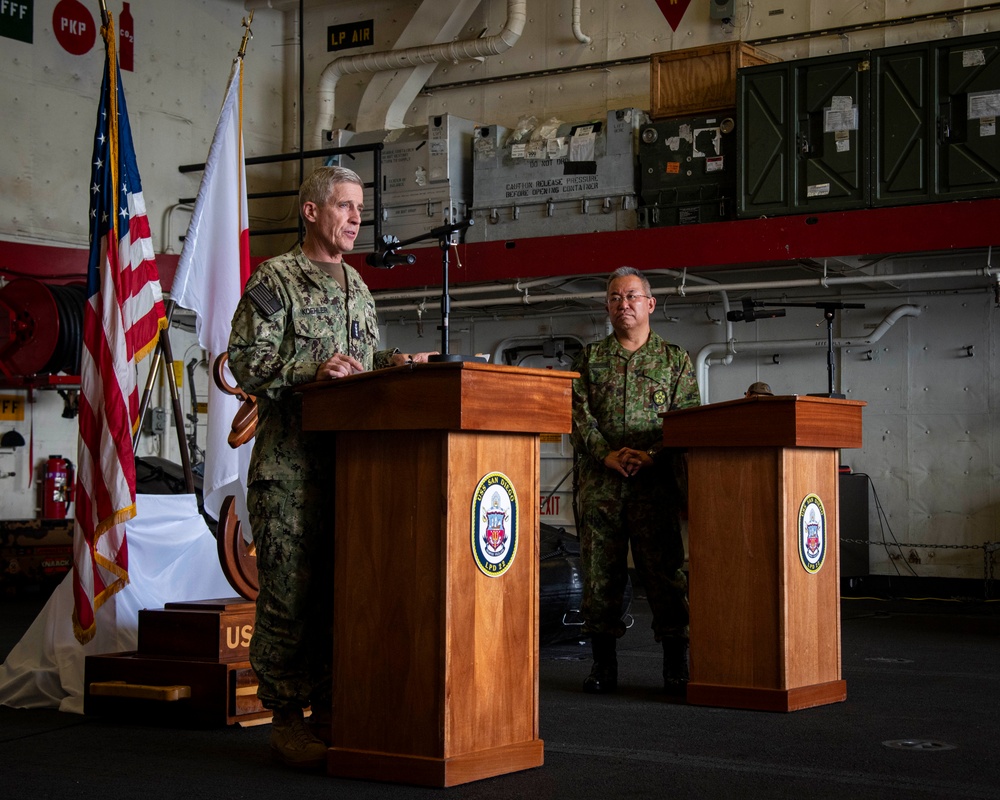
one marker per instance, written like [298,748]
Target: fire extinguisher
[57,487]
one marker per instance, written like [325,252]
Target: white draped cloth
[172,557]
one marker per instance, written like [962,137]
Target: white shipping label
[984,104]
[840,119]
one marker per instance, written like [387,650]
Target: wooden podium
[764,561]
[436,646]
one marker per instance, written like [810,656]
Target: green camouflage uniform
[616,403]
[293,317]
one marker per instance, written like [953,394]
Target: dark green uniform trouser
[291,650]
[614,511]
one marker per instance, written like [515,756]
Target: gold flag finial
[247,35]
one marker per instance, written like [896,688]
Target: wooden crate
[699,80]
[212,630]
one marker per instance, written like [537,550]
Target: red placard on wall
[673,10]
[74,27]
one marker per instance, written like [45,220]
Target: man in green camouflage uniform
[304,316]
[628,487]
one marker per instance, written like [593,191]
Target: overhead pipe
[523,298]
[732,347]
[463,50]
[728,347]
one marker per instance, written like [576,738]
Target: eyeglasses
[630,298]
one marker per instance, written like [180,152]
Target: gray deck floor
[925,674]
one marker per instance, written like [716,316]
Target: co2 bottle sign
[73,26]
[17,19]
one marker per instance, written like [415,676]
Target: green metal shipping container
[935,107]
[687,170]
[803,145]
[967,73]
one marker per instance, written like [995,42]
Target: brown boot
[292,743]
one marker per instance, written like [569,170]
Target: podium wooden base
[700,694]
[435,772]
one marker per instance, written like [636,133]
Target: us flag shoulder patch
[265,300]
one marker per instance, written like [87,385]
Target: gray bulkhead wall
[931,441]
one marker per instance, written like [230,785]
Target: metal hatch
[902,146]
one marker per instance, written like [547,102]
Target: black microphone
[753,311]
[388,259]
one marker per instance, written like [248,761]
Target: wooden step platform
[191,668]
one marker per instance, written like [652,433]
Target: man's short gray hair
[318,187]
[624,272]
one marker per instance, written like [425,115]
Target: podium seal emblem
[494,524]
[812,533]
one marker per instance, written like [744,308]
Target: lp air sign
[345,37]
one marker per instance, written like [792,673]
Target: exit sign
[355,34]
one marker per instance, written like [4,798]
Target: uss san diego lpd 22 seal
[494,524]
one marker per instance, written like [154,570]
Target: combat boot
[603,678]
[675,665]
[292,742]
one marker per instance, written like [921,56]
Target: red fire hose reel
[29,327]
[41,327]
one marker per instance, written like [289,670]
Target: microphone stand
[750,314]
[829,312]
[443,235]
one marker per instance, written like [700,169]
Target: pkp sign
[74,27]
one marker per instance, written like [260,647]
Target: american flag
[121,323]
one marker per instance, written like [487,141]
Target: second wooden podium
[763,526]
[436,572]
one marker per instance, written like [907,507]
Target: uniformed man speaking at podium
[305,316]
